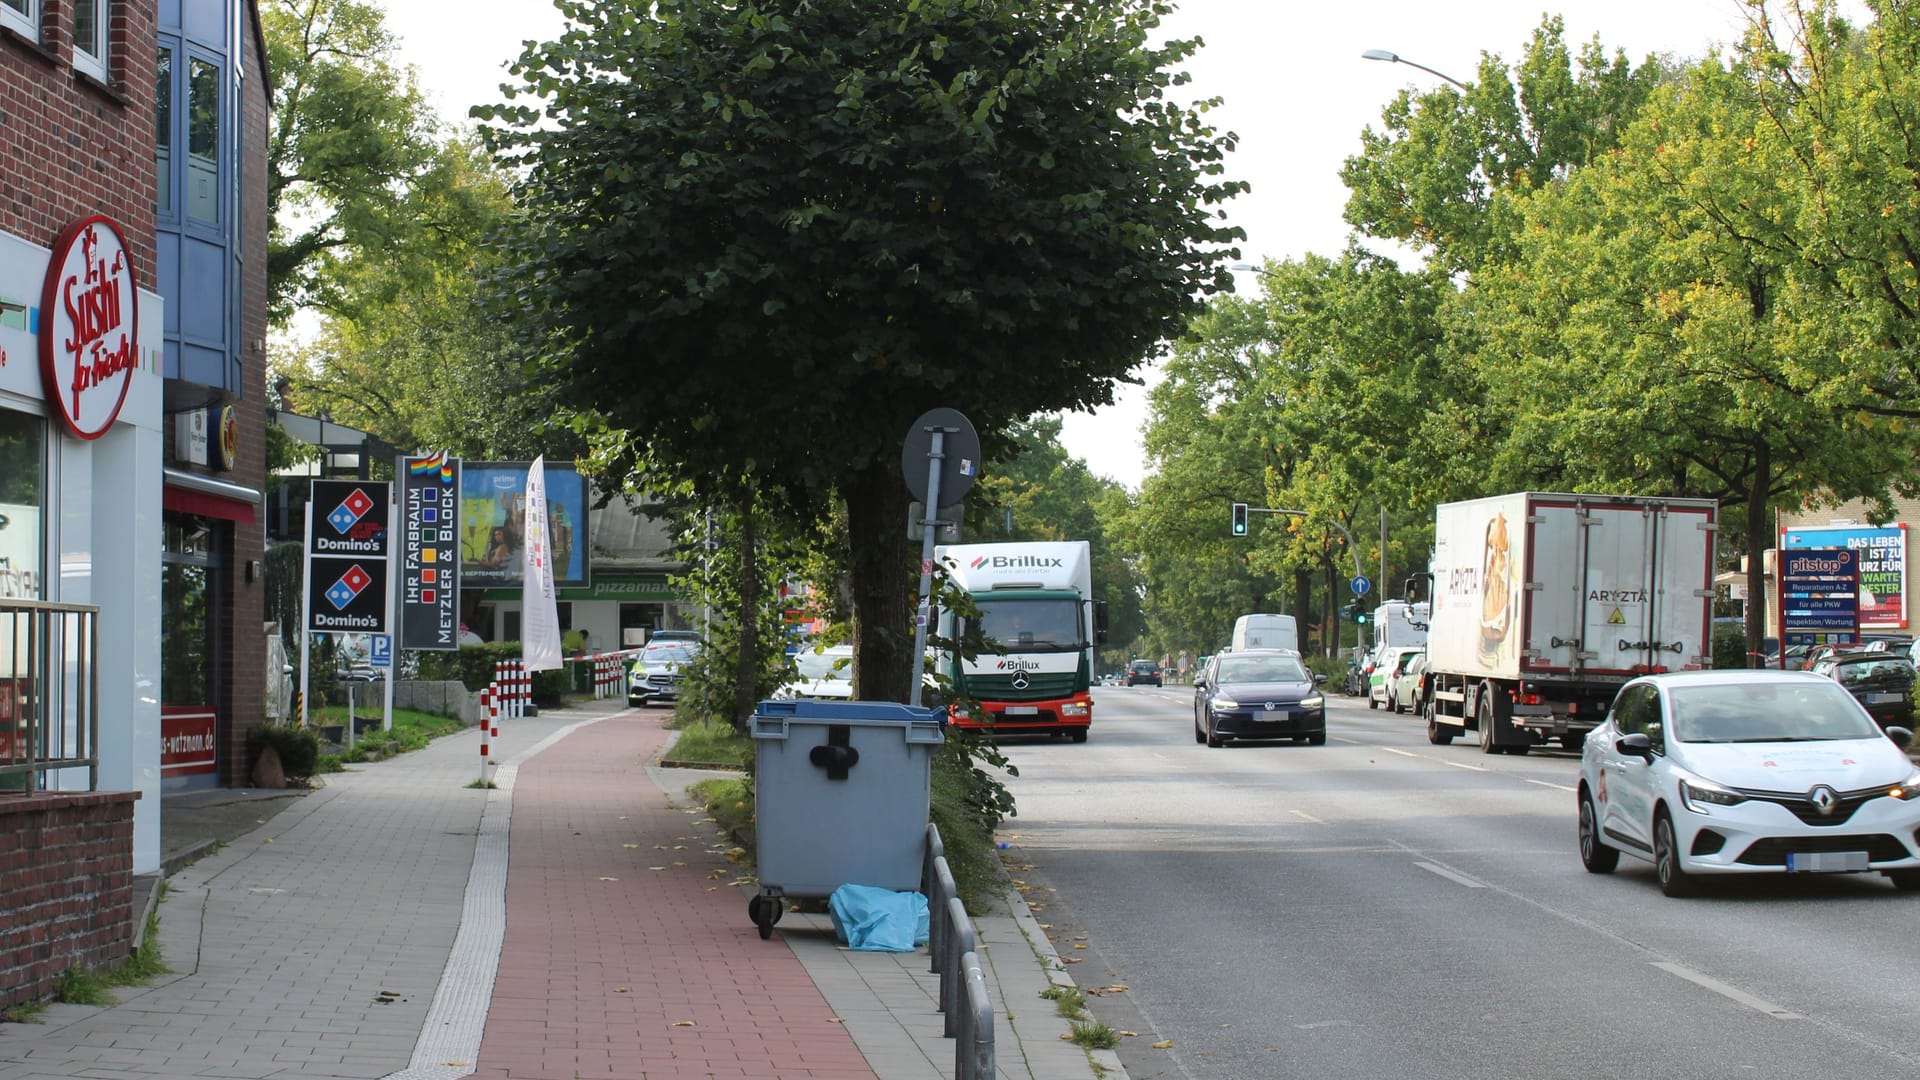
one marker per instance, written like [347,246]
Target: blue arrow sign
[1361,585]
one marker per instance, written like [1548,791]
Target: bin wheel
[764,912]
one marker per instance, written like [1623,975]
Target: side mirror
[1099,622]
[1319,680]
[1635,745]
[1902,737]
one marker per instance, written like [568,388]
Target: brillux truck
[1544,604]
[1040,624]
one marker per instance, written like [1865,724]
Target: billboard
[429,568]
[493,512]
[347,549]
[1882,553]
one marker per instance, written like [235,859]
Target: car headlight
[1225,703]
[1705,793]
[1906,789]
[1313,701]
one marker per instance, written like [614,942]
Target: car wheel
[1905,880]
[1674,880]
[1317,739]
[1372,702]
[1596,856]
[1213,739]
[1198,735]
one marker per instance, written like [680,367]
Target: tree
[762,237]
[352,154]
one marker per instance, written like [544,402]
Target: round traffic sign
[1361,585]
[959,452]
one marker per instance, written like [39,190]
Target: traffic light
[1359,614]
[1239,519]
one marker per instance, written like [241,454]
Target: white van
[1265,631]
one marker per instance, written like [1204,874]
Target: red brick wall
[73,146]
[66,885]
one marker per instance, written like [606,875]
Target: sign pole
[929,530]
[394,635]
[306,632]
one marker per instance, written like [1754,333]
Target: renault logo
[1823,799]
[1019,680]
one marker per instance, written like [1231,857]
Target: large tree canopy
[766,236]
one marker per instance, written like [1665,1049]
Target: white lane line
[1349,742]
[1464,765]
[1457,879]
[1428,757]
[1402,753]
[1304,816]
[1556,787]
[1728,992]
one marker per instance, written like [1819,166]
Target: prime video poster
[1883,566]
[493,516]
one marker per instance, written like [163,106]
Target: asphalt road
[1382,907]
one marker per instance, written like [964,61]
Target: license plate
[1884,699]
[1023,710]
[1826,862]
[1275,716]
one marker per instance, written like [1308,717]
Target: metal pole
[1383,548]
[929,529]
[306,635]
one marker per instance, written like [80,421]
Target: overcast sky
[1295,91]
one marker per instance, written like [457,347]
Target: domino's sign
[347,557]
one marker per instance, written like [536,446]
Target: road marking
[1349,742]
[1556,787]
[1429,757]
[1728,992]
[1402,753]
[1457,879]
[1464,765]
[1303,815]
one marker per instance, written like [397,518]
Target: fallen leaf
[1163,1044]
[656,868]
[683,1023]
[1079,946]
[609,879]
[1129,1034]
[621,990]
[629,845]
[1116,988]
[835,1020]
[1069,959]
[1066,1035]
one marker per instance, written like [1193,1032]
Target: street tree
[761,238]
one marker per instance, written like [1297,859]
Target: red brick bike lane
[627,953]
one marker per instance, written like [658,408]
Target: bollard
[973,1051]
[486,699]
[939,922]
[960,941]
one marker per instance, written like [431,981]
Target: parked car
[1380,680]
[656,673]
[1141,672]
[1259,694]
[1410,684]
[1881,681]
[1745,771]
[825,673]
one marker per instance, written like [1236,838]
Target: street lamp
[1396,58]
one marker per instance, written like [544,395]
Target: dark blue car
[1259,694]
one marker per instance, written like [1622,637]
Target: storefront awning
[192,493]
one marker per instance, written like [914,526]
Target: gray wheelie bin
[840,798]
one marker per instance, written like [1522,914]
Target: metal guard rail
[49,693]
[952,945]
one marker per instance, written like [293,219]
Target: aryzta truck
[1039,624]
[1544,604]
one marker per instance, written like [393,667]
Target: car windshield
[1026,623]
[824,665]
[1259,669]
[667,652]
[1767,712]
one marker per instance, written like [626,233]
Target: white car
[656,673]
[1386,665]
[824,673]
[1747,772]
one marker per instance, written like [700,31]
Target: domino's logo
[351,584]
[351,509]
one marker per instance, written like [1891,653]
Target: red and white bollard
[486,731]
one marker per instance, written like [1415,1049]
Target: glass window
[203,140]
[90,37]
[21,15]
[22,494]
[1027,623]
[163,132]
[187,624]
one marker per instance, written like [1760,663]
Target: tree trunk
[1760,537]
[747,663]
[1302,594]
[884,588]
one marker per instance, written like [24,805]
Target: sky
[1294,90]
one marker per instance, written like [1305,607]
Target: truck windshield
[1027,624]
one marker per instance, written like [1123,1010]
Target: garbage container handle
[837,755]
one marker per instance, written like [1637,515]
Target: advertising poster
[1882,557]
[347,556]
[429,567]
[493,522]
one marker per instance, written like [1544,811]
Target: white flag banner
[539,611]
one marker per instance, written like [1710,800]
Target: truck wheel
[1437,733]
[1573,742]
[1078,734]
[1485,724]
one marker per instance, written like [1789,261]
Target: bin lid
[842,712]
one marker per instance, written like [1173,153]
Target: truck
[1038,625]
[1265,631]
[1399,623]
[1543,604]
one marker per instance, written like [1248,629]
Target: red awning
[207,505]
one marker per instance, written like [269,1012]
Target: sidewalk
[581,920]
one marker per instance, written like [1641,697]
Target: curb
[1106,1063]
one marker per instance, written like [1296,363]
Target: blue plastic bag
[878,920]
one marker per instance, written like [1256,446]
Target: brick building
[132,448]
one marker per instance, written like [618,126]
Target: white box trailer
[1264,631]
[1544,604]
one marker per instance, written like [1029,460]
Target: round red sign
[89,333]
